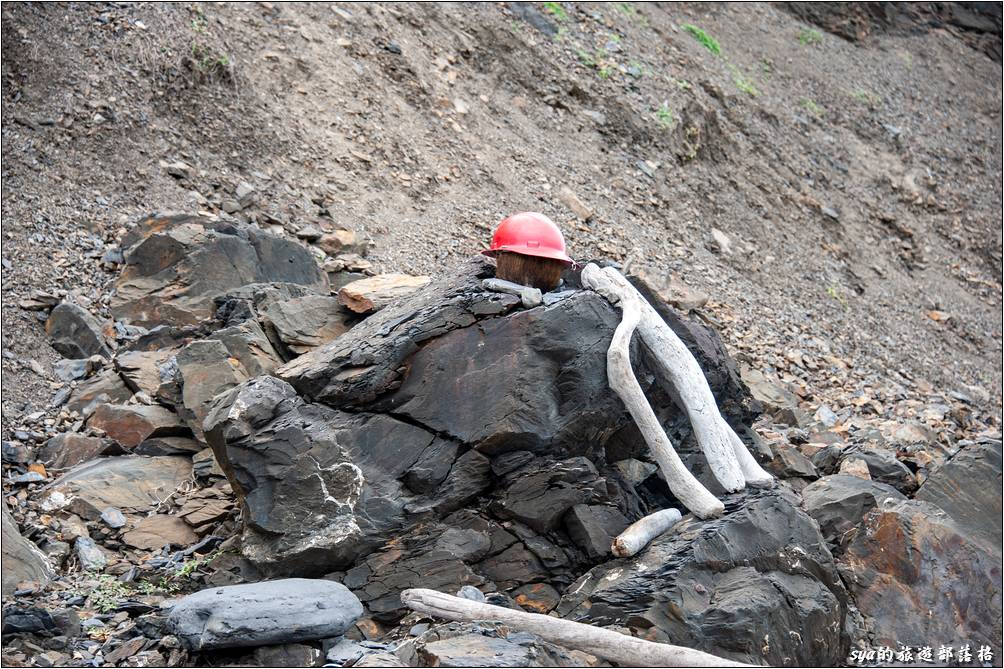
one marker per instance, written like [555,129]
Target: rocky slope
[834,187]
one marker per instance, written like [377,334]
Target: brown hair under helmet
[542,273]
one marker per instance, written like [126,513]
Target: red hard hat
[531,234]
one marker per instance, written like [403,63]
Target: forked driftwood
[625,650]
[728,458]
[641,532]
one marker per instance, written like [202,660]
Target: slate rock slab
[130,424]
[968,488]
[839,502]
[75,332]
[725,585]
[917,575]
[265,613]
[130,483]
[22,561]
[175,264]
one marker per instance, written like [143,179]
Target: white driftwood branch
[622,380]
[641,532]
[627,651]
[728,458]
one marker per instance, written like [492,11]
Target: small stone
[720,242]
[113,518]
[853,466]
[178,169]
[91,557]
[471,593]
[574,204]
[825,416]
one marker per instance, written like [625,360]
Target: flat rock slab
[258,614]
[132,484]
[130,424]
[176,264]
[968,488]
[155,532]
[69,449]
[303,323]
[21,560]
[376,292]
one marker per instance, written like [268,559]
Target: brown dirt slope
[858,183]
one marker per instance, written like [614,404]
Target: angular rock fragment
[594,527]
[839,502]
[69,449]
[205,370]
[130,424]
[132,484]
[22,561]
[106,387]
[75,332]
[374,293]
[176,264]
[156,531]
[259,614]
[304,323]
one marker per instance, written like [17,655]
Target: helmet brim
[550,254]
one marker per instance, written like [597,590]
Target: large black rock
[757,585]
[453,438]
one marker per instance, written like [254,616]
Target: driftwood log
[641,532]
[625,650]
[729,460]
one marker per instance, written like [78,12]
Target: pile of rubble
[253,415]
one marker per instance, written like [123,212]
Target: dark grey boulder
[752,586]
[22,561]
[259,614]
[175,265]
[839,502]
[968,488]
[885,468]
[75,333]
[445,441]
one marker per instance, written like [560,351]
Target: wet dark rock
[839,502]
[176,264]
[75,332]
[917,575]
[258,614]
[22,561]
[726,585]
[594,527]
[967,488]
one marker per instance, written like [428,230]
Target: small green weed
[585,58]
[706,40]
[107,594]
[743,83]
[665,116]
[865,97]
[556,10]
[809,37]
[604,72]
[834,293]
[811,107]
[625,8]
